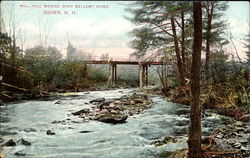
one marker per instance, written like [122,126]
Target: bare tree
[44,32]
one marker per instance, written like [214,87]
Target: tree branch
[177,22]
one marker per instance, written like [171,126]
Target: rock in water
[98,100]
[112,118]
[58,102]
[29,130]
[81,111]
[11,142]
[1,102]
[24,142]
[85,131]
[245,118]
[49,132]
[19,154]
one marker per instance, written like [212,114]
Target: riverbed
[78,138]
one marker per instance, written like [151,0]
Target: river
[78,138]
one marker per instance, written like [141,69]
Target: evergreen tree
[163,25]
[54,52]
[71,52]
[214,28]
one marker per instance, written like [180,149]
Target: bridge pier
[143,69]
[143,75]
[112,73]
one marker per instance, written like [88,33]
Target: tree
[35,52]
[5,41]
[105,57]
[71,52]
[10,54]
[194,135]
[214,27]
[247,46]
[54,52]
[41,52]
[163,25]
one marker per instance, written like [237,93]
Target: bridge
[143,68]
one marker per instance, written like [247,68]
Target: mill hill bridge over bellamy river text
[143,68]
[60,9]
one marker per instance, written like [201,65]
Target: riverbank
[36,95]
[240,112]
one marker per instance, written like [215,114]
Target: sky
[98,27]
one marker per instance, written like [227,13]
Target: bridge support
[112,74]
[143,75]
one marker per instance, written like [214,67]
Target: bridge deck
[125,62]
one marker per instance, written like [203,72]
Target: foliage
[71,52]
[247,46]
[126,75]
[41,52]
[50,73]
[230,85]
[215,10]
[98,73]
[148,36]
[5,41]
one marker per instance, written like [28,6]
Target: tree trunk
[183,55]
[177,51]
[208,37]
[183,37]
[194,135]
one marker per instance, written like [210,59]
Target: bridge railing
[122,58]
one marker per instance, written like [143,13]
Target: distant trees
[247,46]
[105,57]
[71,52]
[40,70]
[54,52]
[41,52]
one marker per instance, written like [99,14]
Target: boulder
[58,102]
[24,142]
[112,118]
[49,132]
[85,131]
[167,140]
[81,111]
[55,122]
[98,100]
[181,111]
[20,154]
[170,139]
[11,142]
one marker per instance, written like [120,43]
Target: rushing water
[76,138]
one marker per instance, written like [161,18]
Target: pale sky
[93,29]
